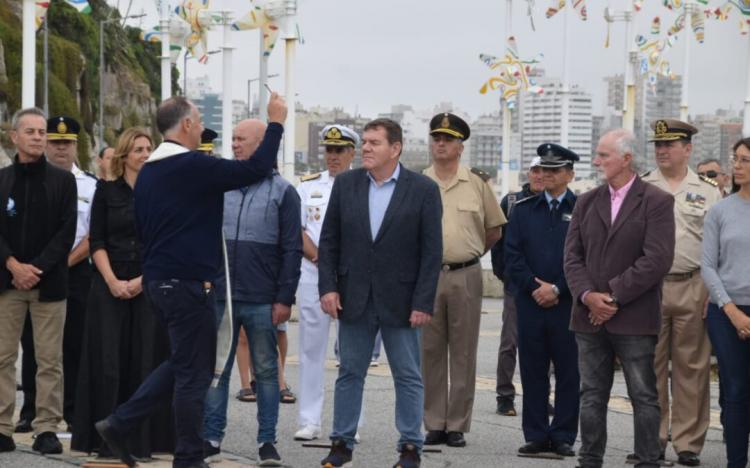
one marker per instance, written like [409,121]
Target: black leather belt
[458,266]
[674,277]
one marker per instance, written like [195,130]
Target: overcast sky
[371,54]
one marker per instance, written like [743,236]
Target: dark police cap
[207,140]
[553,155]
[671,130]
[450,124]
[62,128]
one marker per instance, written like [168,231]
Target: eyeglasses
[741,160]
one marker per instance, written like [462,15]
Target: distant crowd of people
[133,295]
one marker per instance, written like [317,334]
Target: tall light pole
[226,108]
[686,70]
[166,65]
[746,113]
[565,91]
[291,38]
[506,148]
[28,62]
[628,104]
[100,144]
[46,66]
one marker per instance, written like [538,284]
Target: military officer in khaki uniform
[683,336]
[471,225]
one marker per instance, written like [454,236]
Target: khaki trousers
[48,322]
[449,351]
[684,339]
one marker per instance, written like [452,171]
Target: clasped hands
[331,305]
[601,307]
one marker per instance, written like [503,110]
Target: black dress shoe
[456,439]
[6,443]
[23,426]
[563,449]
[47,443]
[115,441]
[435,438]
[688,459]
[505,406]
[533,447]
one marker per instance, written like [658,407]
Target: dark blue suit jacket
[535,247]
[400,267]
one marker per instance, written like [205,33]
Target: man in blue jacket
[262,230]
[534,249]
[179,200]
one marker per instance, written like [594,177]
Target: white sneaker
[374,363]
[308,432]
[357,438]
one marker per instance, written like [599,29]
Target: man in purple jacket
[619,247]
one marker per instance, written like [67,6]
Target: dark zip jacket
[38,225]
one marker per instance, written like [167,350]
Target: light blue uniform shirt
[550,198]
[378,199]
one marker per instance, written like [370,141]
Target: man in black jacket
[37,229]
[506,354]
[379,260]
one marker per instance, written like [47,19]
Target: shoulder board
[646,174]
[524,200]
[482,175]
[310,177]
[708,180]
[90,175]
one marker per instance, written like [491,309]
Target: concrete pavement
[493,440]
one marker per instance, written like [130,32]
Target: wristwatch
[614,300]
[556,290]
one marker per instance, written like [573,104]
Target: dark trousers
[543,337]
[188,313]
[596,356]
[506,354]
[79,284]
[733,355]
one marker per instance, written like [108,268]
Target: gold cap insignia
[333,134]
[445,123]
[62,128]
[660,128]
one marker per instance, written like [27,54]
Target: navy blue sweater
[179,204]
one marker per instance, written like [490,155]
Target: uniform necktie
[553,211]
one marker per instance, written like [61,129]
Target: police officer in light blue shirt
[534,250]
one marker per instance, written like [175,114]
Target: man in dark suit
[619,247]
[379,260]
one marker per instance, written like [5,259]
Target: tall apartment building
[541,122]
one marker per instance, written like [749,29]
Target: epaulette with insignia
[708,180]
[646,174]
[310,177]
[524,200]
[482,175]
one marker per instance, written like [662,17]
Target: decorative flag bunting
[513,74]
[195,13]
[743,6]
[42,6]
[653,63]
[697,18]
[578,5]
[178,34]
[258,17]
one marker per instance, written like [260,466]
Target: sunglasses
[710,174]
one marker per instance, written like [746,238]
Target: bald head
[246,138]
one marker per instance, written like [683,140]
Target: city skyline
[362,59]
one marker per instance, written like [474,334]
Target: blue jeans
[733,355]
[402,344]
[375,349]
[187,311]
[257,321]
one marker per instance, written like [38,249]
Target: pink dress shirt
[617,196]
